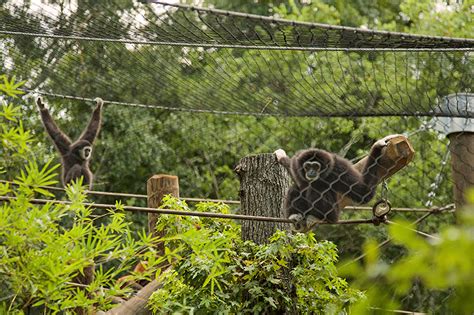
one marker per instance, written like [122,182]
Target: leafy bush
[441,266]
[15,141]
[216,272]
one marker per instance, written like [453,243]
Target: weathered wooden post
[157,187]
[263,185]
[395,156]
[461,147]
[460,132]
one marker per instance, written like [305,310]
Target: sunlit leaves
[15,141]
[10,112]
[10,86]
[32,177]
[42,256]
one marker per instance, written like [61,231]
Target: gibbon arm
[92,130]
[61,141]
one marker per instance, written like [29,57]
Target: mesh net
[261,72]
[275,77]
[253,84]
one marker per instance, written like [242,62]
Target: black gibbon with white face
[75,156]
[319,176]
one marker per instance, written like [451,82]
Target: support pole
[85,279]
[461,147]
[157,187]
[263,186]
[459,129]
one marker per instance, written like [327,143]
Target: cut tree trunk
[263,186]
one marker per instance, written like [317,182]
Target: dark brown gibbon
[75,156]
[319,176]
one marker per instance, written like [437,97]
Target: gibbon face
[82,150]
[85,153]
[311,170]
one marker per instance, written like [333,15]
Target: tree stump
[263,186]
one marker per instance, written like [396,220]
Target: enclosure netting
[260,65]
[194,65]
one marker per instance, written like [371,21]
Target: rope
[225,201]
[240,113]
[178,109]
[188,213]
[435,210]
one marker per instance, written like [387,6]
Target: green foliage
[14,139]
[41,256]
[201,148]
[10,87]
[442,265]
[44,250]
[215,272]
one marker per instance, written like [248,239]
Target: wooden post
[157,187]
[396,155]
[263,186]
[461,147]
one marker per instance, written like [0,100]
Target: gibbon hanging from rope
[75,156]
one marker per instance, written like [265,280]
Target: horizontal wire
[225,201]
[414,230]
[397,209]
[127,195]
[398,311]
[215,45]
[435,210]
[188,213]
[239,113]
